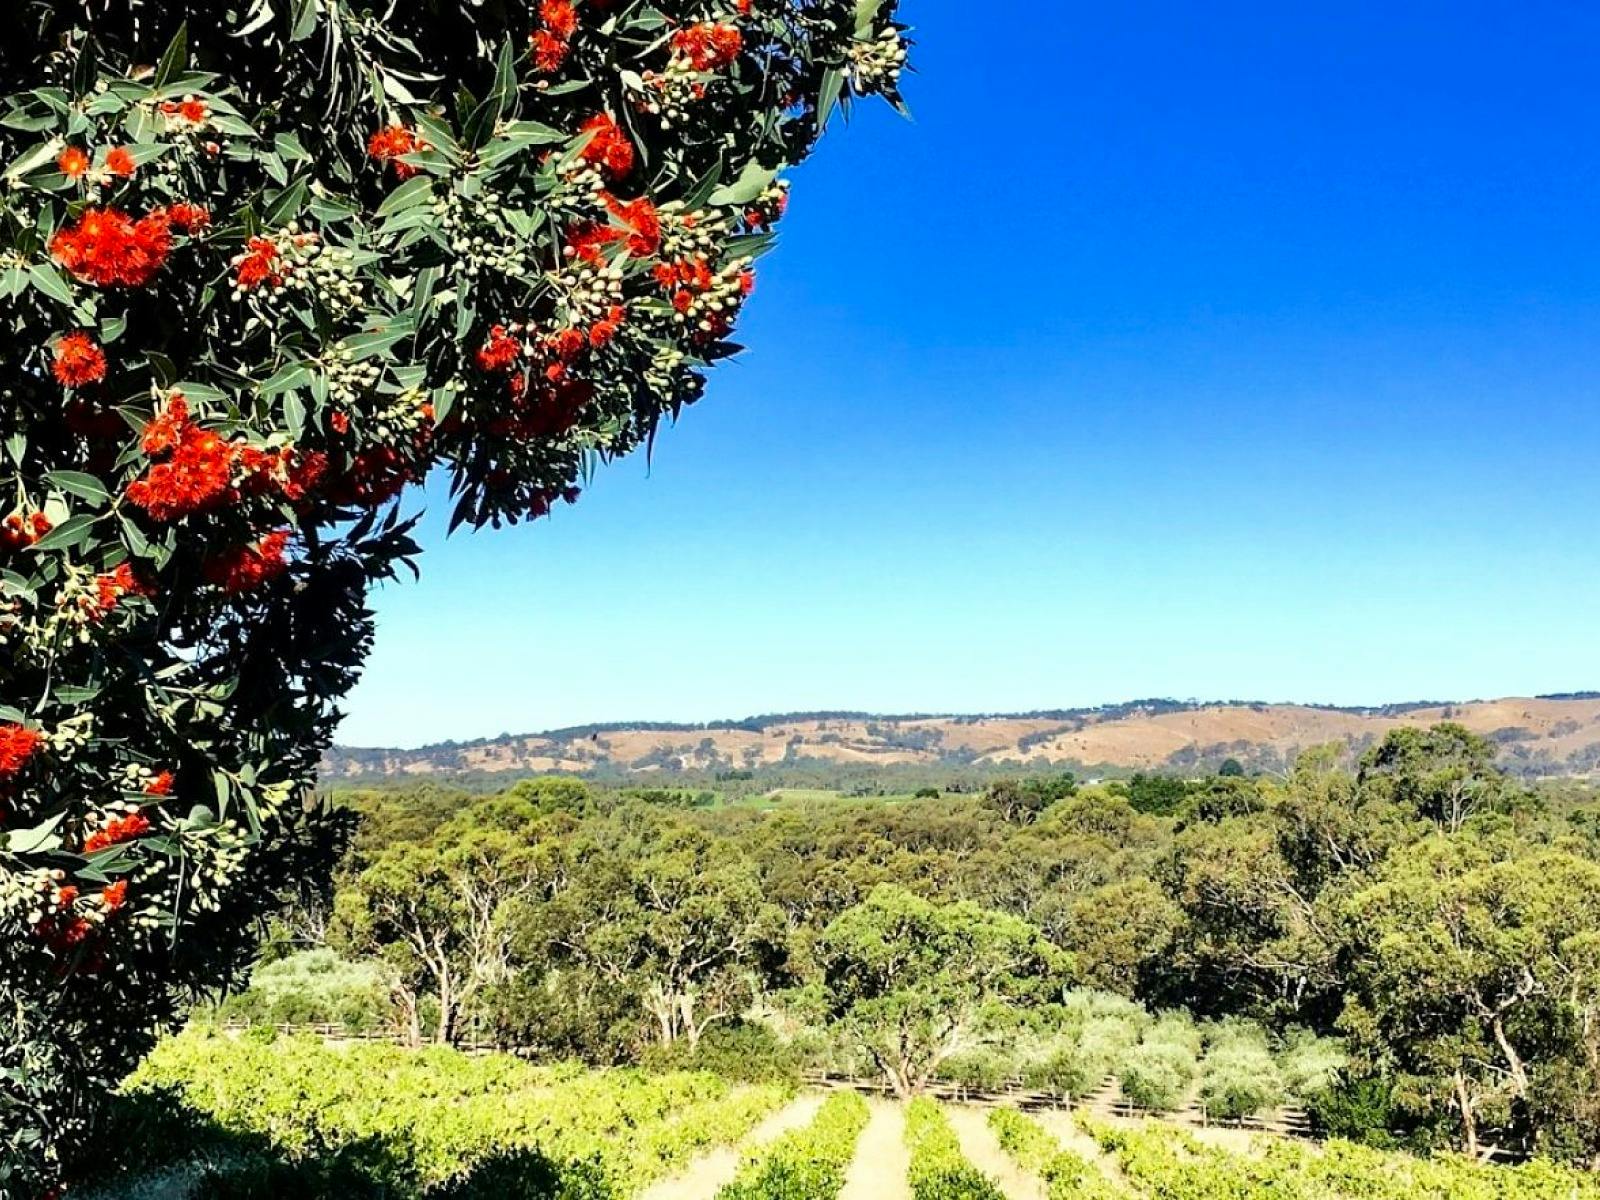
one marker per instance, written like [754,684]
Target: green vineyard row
[939,1170]
[808,1164]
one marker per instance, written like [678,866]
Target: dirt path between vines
[983,1151]
[881,1162]
[1059,1124]
[710,1172]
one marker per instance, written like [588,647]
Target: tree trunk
[1519,1072]
[410,1015]
[690,1029]
[905,1081]
[896,1072]
[900,1080]
[660,1007]
[446,1032]
[1469,1120]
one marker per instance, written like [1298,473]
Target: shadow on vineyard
[175,1150]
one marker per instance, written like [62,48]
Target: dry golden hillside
[1541,736]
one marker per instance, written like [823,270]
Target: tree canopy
[916,981]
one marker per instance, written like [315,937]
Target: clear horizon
[1166,352]
[986,714]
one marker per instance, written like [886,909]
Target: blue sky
[1238,350]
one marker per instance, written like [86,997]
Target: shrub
[1177,1029]
[1085,1006]
[1310,1065]
[1360,1108]
[255,292]
[1158,1160]
[314,987]
[1157,1075]
[380,1121]
[832,1050]
[977,1070]
[745,1050]
[1082,1041]
[1238,1078]
[1078,1065]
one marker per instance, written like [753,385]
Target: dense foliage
[314,987]
[262,265]
[1400,943]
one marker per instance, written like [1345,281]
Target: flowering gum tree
[263,264]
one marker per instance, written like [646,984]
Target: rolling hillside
[1548,735]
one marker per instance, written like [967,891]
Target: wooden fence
[339,1035]
[1106,1101]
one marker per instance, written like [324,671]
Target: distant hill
[1545,735]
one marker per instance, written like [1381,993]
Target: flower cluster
[297,260]
[197,474]
[108,248]
[117,162]
[552,42]
[500,354]
[769,207]
[635,225]
[186,115]
[79,361]
[18,745]
[608,146]
[115,831]
[391,144]
[18,531]
[245,568]
[202,471]
[876,63]
[88,599]
[698,53]
[260,265]
[708,46]
[400,435]
[191,219]
[74,162]
[704,299]
[59,926]
[114,896]
[112,586]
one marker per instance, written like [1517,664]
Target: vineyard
[213,1118]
